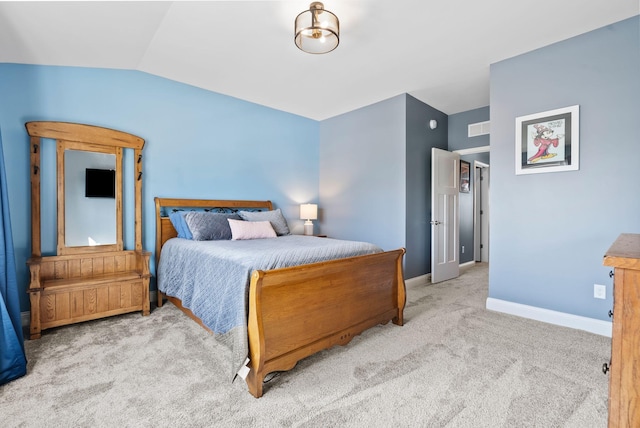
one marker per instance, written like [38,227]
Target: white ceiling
[437,51]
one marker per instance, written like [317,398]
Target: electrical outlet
[463,249]
[599,291]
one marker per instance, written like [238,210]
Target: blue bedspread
[211,278]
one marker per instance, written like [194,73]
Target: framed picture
[465,169]
[548,141]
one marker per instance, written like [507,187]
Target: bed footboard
[298,311]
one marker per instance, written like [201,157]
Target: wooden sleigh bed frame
[297,311]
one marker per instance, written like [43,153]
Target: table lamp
[308,212]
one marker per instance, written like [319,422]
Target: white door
[445,263]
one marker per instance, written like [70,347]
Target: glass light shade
[317,31]
[308,211]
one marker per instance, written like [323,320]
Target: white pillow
[241,229]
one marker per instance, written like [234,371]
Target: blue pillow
[180,225]
[207,226]
[276,218]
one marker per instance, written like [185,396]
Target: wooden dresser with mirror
[89,274]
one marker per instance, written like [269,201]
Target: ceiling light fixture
[317,31]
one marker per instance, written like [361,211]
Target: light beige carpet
[453,364]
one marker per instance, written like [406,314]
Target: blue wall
[199,144]
[550,231]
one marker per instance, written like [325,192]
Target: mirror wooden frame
[88,138]
[62,147]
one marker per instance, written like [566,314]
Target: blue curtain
[13,362]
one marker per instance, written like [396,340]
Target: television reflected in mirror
[100,183]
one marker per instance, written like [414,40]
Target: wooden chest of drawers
[624,383]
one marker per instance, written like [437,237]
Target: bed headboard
[164,206]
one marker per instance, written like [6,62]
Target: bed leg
[160,297]
[398,320]
[254,382]
[401,291]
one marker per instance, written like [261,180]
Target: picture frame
[465,176]
[548,141]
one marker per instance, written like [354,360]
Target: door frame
[478,194]
[470,151]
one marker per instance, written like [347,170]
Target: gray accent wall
[419,141]
[549,232]
[459,129]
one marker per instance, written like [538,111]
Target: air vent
[480,128]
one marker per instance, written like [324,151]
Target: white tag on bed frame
[244,370]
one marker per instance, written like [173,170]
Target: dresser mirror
[89,198]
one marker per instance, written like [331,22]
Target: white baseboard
[426,279]
[603,328]
[418,280]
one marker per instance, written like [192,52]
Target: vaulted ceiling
[439,52]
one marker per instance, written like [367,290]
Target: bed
[287,313]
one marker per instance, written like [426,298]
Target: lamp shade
[317,31]
[308,211]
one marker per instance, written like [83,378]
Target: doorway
[481,212]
